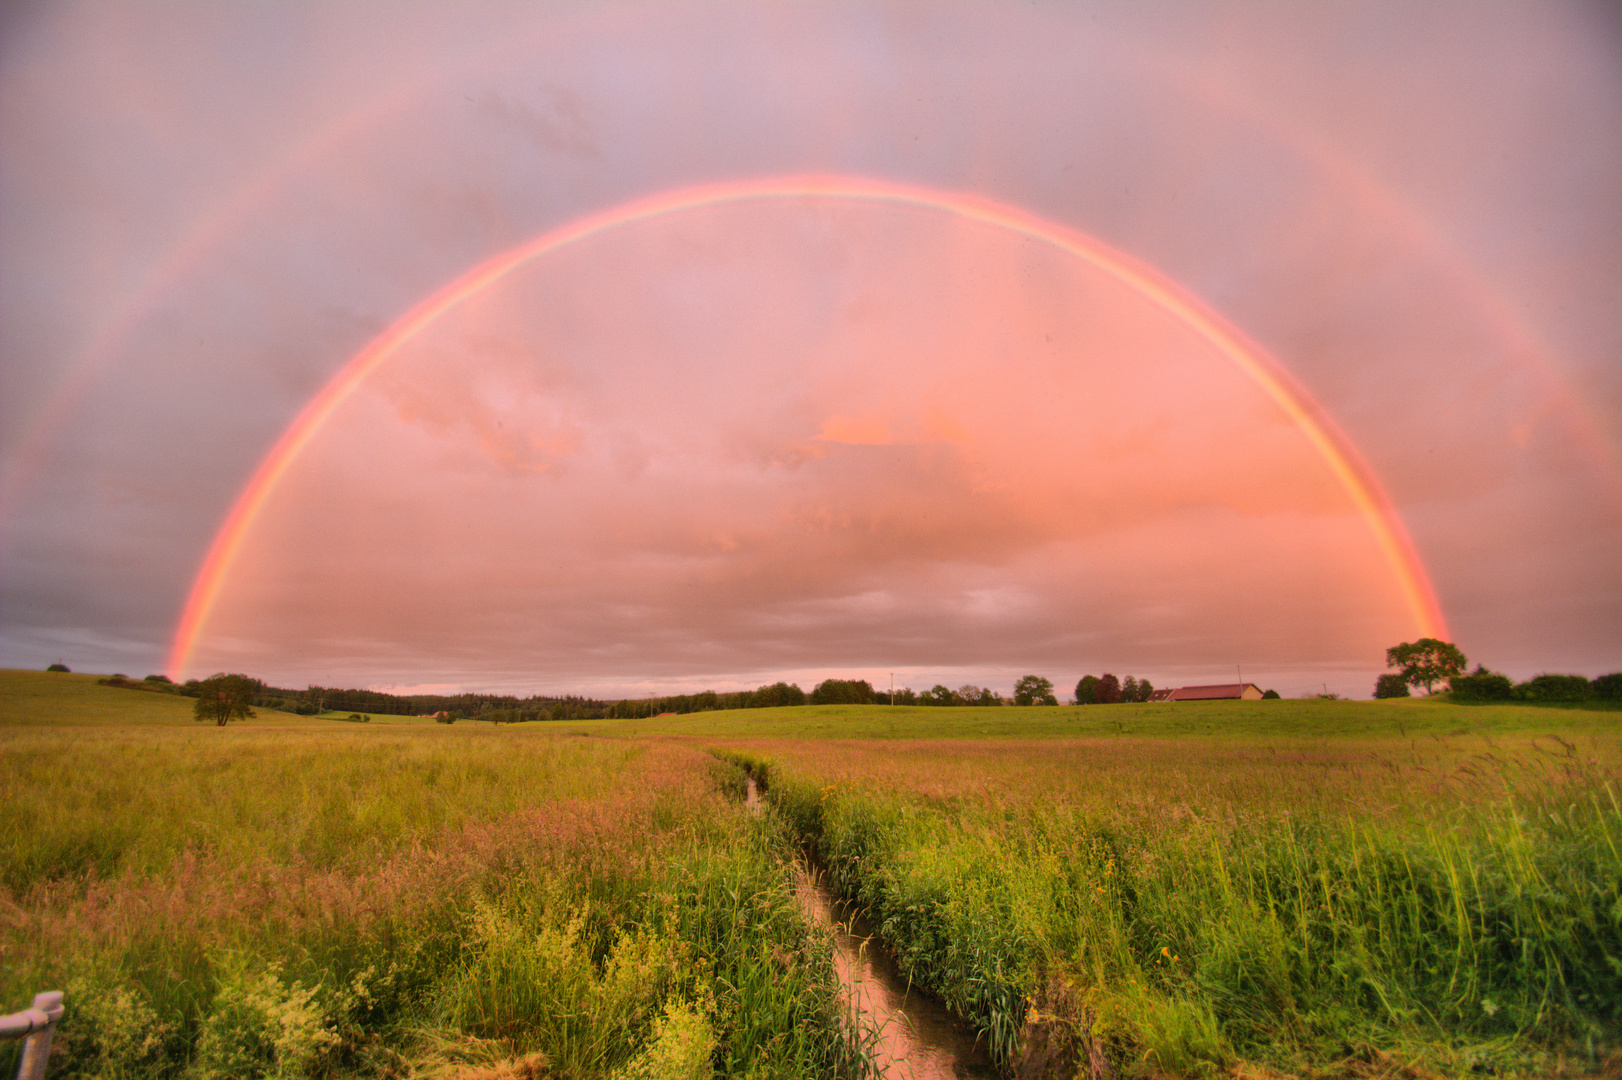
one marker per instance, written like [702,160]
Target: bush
[1555,688]
[1608,687]
[1391,685]
[1481,685]
[59,667]
[261,1026]
[1271,695]
[161,679]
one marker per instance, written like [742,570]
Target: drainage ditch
[915,1036]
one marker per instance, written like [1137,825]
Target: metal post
[37,1024]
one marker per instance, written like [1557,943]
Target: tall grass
[1195,907]
[403,903]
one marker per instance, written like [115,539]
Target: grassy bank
[306,899]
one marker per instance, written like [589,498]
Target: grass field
[1312,888]
[294,897]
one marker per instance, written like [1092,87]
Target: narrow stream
[916,1037]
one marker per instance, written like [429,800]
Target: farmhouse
[1220,692]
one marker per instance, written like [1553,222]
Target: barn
[1219,692]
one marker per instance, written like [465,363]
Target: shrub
[1608,687]
[1391,685]
[1271,695]
[1481,685]
[261,1026]
[59,667]
[161,679]
[1555,688]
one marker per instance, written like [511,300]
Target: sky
[1192,342]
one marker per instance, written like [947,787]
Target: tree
[970,694]
[1109,690]
[777,695]
[1146,689]
[1271,695]
[1129,688]
[1426,661]
[225,697]
[842,692]
[1034,690]
[1390,685]
[59,666]
[1087,690]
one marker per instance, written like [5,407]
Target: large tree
[971,694]
[1108,691]
[1425,662]
[843,692]
[225,697]
[1034,690]
[1087,690]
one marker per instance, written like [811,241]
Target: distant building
[1220,692]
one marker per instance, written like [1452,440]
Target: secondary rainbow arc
[1336,450]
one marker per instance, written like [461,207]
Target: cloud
[806,434]
[960,472]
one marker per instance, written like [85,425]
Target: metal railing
[36,1025]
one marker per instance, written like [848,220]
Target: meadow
[1296,888]
[298,897]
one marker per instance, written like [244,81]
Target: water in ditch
[915,1037]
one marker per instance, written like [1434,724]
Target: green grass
[309,898]
[1315,719]
[1306,888]
[59,699]
[1199,905]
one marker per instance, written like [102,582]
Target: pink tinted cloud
[1411,206]
[790,437]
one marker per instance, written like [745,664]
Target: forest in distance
[1419,664]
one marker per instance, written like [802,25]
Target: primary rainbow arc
[1332,445]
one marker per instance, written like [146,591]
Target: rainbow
[1332,445]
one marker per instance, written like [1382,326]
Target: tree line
[1429,661]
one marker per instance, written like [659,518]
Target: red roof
[1210,693]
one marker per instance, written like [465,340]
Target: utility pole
[892,689]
